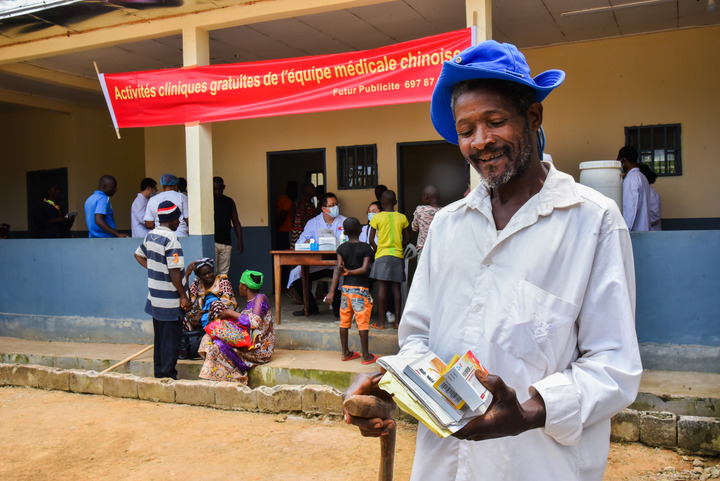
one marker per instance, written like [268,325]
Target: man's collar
[557,191]
[332,219]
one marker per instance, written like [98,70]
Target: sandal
[353,355]
[375,325]
[374,358]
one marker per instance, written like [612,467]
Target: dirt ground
[54,435]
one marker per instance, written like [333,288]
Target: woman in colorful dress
[224,362]
[210,294]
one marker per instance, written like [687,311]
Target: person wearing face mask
[328,219]
[148,188]
[372,209]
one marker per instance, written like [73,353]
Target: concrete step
[321,332]
[682,393]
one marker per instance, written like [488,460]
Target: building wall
[240,150]
[649,79]
[63,135]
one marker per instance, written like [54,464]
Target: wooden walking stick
[128,359]
[373,407]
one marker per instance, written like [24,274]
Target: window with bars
[357,167]
[658,147]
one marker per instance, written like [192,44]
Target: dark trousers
[312,304]
[168,335]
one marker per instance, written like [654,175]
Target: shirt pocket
[539,327]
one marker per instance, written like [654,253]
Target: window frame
[659,159]
[347,180]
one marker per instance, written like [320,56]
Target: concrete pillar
[478,14]
[198,148]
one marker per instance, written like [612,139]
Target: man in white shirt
[170,192]
[328,219]
[533,273]
[636,191]
[148,188]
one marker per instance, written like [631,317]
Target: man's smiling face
[493,136]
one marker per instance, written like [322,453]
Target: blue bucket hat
[168,179]
[486,60]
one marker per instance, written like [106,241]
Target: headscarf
[247,280]
[205,261]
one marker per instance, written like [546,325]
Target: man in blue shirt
[99,212]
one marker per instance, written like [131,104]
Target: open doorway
[422,163]
[37,182]
[292,165]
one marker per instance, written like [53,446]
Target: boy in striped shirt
[161,254]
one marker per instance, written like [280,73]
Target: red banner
[401,73]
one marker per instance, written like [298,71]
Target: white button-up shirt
[636,200]
[548,305]
[137,216]
[177,198]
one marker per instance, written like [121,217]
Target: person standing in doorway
[424,214]
[148,188]
[162,255]
[50,220]
[285,214]
[305,211]
[226,217]
[99,212]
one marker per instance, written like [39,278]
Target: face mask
[371,215]
[334,211]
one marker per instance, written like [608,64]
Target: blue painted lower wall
[94,290]
[678,287]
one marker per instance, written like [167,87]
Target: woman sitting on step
[237,341]
[210,294]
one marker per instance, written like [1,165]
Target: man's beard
[518,165]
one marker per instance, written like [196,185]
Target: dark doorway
[37,182]
[298,165]
[422,163]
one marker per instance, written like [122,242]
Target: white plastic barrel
[603,176]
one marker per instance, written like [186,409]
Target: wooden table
[304,259]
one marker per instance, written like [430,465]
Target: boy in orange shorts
[353,262]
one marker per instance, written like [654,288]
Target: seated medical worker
[328,220]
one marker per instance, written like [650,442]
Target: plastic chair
[409,253]
[314,285]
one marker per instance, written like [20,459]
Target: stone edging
[311,399]
[687,434]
